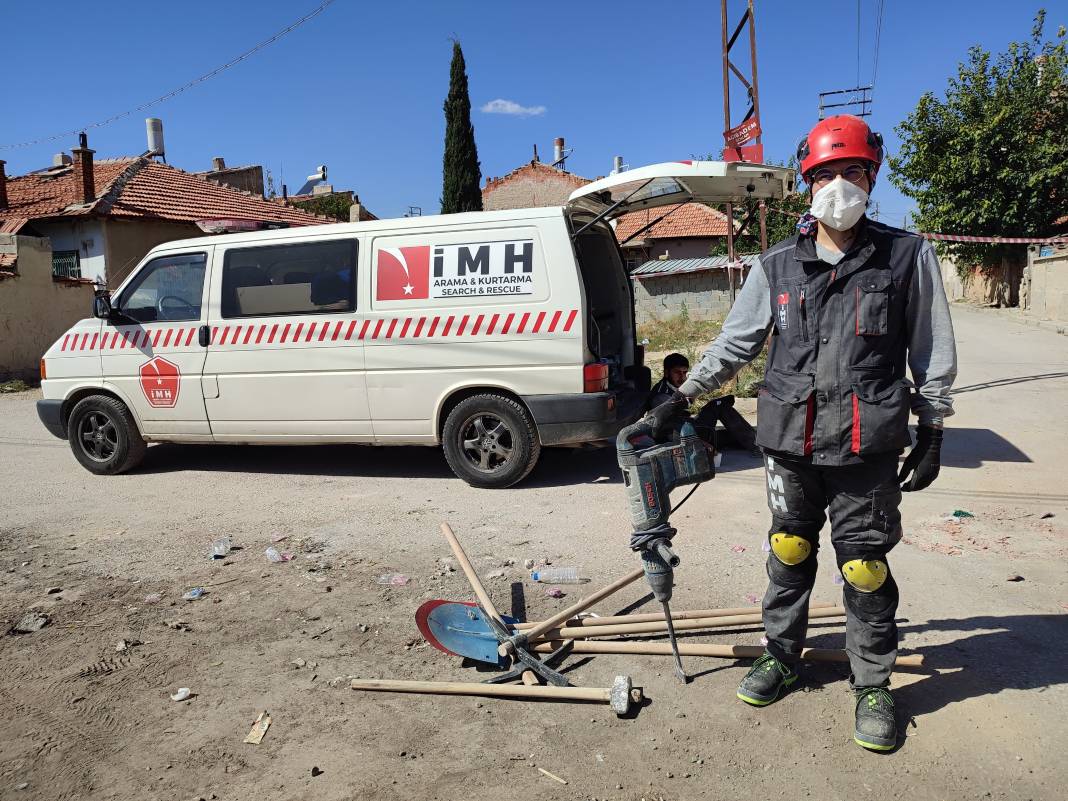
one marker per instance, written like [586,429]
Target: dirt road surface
[80,719]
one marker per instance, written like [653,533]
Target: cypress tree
[461,190]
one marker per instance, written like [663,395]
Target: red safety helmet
[840,137]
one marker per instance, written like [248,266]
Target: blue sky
[360,87]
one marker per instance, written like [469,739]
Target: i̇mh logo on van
[447,271]
[160,381]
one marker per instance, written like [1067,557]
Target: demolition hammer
[651,469]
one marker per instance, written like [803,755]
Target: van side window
[170,288]
[304,278]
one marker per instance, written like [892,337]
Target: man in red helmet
[849,303]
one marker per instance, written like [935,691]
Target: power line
[878,38]
[206,76]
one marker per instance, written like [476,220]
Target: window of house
[169,288]
[66,264]
[304,278]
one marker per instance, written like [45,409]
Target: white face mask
[839,204]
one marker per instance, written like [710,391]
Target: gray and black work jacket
[842,335]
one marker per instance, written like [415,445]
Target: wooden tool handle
[472,576]
[645,617]
[488,690]
[584,604]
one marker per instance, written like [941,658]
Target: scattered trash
[194,594]
[153,598]
[279,538]
[274,555]
[553,776]
[126,645]
[751,597]
[528,564]
[393,580]
[54,590]
[259,728]
[1014,577]
[555,592]
[1047,516]
[958,514]
[22,785]
[183,694]
[30,622]
[496,574]
[221,548]
[601,479]
[838,579]
[557,575]
[765,546]
[737,549]
[316,771]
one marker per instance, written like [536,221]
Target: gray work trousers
[863,503]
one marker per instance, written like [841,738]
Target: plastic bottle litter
[556,575]
[182,694]
[221,548]
[393,580]
[274,555]
[193,594]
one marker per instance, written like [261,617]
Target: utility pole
[735,136]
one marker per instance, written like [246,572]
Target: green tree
[335,205]
[991,159]
[461,174]
[780,220]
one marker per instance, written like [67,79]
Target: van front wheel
[490,441]
[104,436]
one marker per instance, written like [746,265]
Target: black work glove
[923,460]
[663,417]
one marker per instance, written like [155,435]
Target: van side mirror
[102,305]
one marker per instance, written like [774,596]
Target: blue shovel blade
[459,628]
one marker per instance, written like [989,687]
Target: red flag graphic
[403,273]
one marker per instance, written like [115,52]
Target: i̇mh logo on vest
[469,270]
[784,310]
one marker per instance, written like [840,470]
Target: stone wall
[1047,291]
[706,296]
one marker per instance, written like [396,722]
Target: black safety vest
[835,391]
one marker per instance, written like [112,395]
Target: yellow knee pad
[790,549]
[865,575]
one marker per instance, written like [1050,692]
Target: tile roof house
[103,216]
[687,232]
[533,185]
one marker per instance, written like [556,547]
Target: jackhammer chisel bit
[659,562]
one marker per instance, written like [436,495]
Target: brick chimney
[3,185]
[83,170]
[218,163]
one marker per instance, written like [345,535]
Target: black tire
[104,437]
[490,441]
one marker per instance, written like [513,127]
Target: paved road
[985,722]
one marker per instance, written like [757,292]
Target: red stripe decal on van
[222,339]
[538,322]
[570,320]
[189,336]
[114,341]
[348,334]
[155,337]
[259,334]
[274,330]
[378,327]
[285,333]
[126,339]
[66,339]
[392,325]
[92,345]
[523,322]
[404,328]
[419,326]
[214,334]
[311,333]
[433,327]
[463,325]
[146,335]
[448,325]
[233,339]
[337,330]
[296,333]
[363,331]
[478,324]
[556,319]
[324,331]
[493,323]
[507,322]
[248,334]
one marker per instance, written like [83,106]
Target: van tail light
[44,370]
[595,377]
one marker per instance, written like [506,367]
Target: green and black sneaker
[876,726]
[765,680]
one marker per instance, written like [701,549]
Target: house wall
[87,236]
[528,191]
[129,241]
[34,309]
[1048,290]
[706,296]
[690,248]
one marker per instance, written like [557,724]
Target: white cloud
[510,107]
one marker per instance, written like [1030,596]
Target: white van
[491,334]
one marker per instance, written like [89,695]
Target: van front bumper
[51,414]
[590,417]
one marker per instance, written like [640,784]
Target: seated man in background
[676,368]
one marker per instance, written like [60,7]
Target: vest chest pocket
[785,412]
[873,303]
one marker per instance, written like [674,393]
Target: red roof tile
[138,187]
[536,168]
[690,219]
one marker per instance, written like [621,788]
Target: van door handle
[204,336]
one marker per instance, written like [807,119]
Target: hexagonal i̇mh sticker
[160,381]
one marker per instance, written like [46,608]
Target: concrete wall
[87,236]
[129,241]
[1048,291]
[990,286]
[35,309]
[529,187]
[706,296]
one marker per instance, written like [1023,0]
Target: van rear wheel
[490,441]
[104,437]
